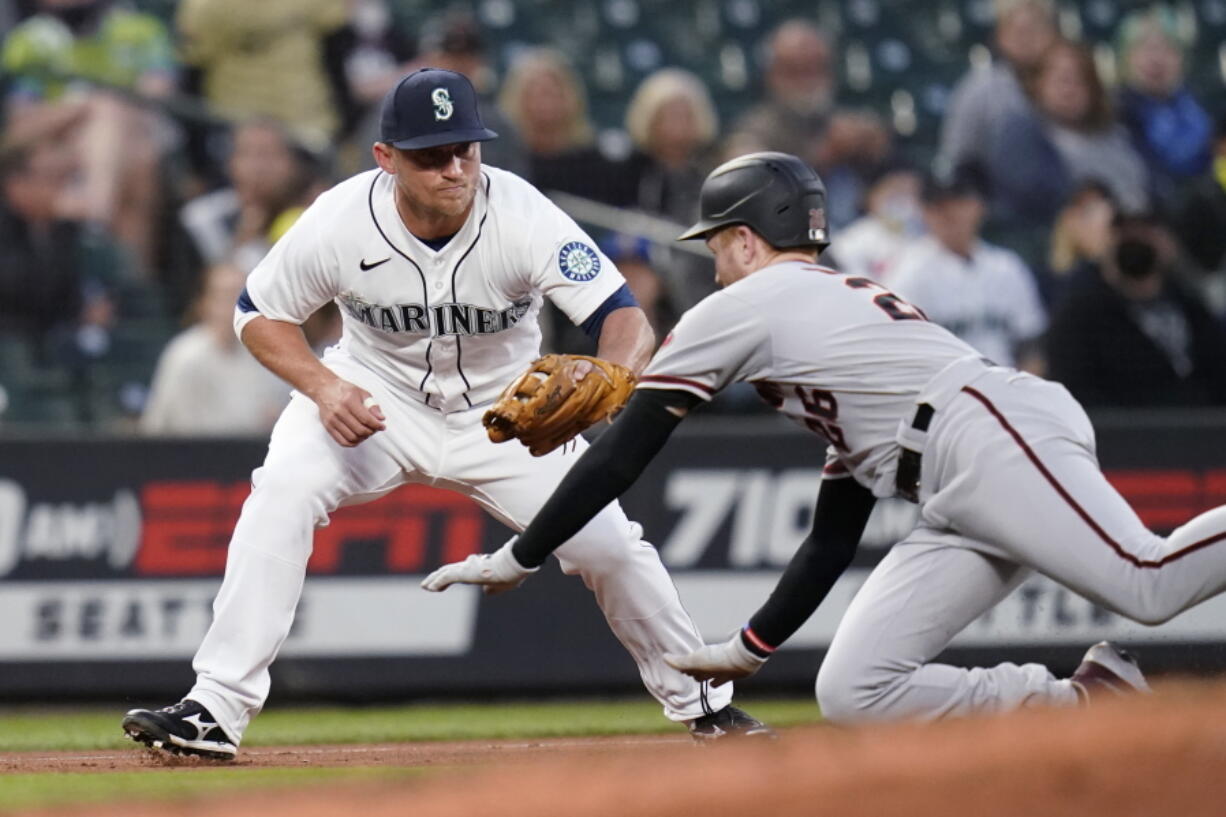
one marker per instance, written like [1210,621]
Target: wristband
[754,643]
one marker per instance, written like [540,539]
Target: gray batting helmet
[776,194]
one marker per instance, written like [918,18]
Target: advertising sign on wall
[111,552]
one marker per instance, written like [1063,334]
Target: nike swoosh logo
[366,266]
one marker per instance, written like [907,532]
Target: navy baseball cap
[965,181]
[432,107]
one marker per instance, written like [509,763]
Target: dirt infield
[405,755]
[1164,755]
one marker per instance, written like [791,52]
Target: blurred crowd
[1069,217]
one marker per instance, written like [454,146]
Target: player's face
[437,182]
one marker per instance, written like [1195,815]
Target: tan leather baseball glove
[546,406]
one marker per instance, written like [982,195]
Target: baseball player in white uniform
[439,266]
[1001,463]
[982,293]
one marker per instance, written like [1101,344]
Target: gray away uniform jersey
[449,328]
[838,354]
[1009,483]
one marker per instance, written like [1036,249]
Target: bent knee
[294,493]
[1151,614]
[1148,600]
[845,694]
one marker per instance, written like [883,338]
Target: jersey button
[438,285]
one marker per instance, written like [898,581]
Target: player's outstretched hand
[349,413]
[718,663]
[497,572]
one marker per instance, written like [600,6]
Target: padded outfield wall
[111,551]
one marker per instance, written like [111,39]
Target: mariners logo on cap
[443,106]
[578,262]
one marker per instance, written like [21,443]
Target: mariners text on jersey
[448,325]
[437,319]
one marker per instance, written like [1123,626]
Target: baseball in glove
[546,406]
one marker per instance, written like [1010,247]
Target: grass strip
[94,729]
[29,791]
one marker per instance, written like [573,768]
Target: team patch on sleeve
[578,262]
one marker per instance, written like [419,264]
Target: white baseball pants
[306,476]
[1010,483]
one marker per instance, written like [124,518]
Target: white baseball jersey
[431,335]
[989,300]
[838,354]
[449,328]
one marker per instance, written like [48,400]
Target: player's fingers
[438,581]
[342,432]
[580,369]
[366,424]
[376,418]
[361,428]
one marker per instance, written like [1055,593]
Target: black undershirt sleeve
[603,472]
[843,507]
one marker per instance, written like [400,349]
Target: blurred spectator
[871,246]
[673,124]
[799,117]
[1168,126]
[633,258]
[272,177]
[982,293]
[1079,240]
[68,44]
[55,271]
[385,42]
[1201,223]
[799,82]
[278,58]
[1135,337]
[104,59]
[207,383]
[455,41]
[847,156]
[545,102]
[1070,137]
[800,85]
[986,98]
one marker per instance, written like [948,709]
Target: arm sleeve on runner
[603,473]
[843,507]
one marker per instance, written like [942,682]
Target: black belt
[907,478]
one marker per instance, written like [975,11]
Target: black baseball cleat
[729,722]
[1108,671]
[184,728]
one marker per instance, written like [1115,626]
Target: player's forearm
[627,338]
[282,349]
[601,475]
[843,509]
